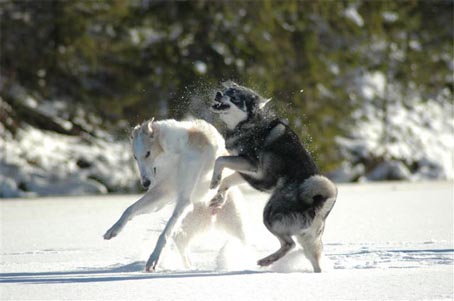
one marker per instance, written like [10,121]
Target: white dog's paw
[152,262]
[215,180]
[112,232]
[216,203]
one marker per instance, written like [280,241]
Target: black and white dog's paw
[217,202]
[266,261]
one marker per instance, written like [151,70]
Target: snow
[415,143]
[38,162]
[200,67]
[382,241]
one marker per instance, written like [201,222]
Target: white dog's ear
[134,131]
[264,103]
[152,128]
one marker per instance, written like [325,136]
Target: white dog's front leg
[150,201]
[180,210]
[235,163]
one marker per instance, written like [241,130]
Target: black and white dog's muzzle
[218,104]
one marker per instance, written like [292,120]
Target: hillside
[368,86]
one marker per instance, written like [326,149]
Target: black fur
[283,158]
[279,163]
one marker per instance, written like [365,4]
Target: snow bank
[37,162]
[412,142]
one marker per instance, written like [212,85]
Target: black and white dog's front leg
[218,201]
[236,163]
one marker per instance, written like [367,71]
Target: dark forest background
[112,64]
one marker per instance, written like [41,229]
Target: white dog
[176,161]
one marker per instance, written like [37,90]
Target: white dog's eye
[147,155]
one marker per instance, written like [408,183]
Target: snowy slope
[382,241]
[413,140]
[38,162]
[415,143]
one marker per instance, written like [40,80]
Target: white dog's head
[237,103]
[146,148]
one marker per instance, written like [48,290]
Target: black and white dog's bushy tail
[318,190]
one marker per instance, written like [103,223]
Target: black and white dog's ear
[229,84]
[264,102]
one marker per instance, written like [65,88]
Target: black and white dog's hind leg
[282,222]
[301,211]
[196,221]
[313,248]
[287,244]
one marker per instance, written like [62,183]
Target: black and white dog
[269,156]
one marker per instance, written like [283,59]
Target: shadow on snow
[133,271]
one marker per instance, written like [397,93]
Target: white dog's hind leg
[151,201]
[229,217]
[196,221]
[190,168]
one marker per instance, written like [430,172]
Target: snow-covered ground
[382,241]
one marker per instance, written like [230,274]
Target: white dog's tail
[317,191]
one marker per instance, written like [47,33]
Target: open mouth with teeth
[219,106]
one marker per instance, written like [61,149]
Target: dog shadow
[132,271]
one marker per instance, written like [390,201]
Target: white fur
[318,184]
[233,115]
[179,169]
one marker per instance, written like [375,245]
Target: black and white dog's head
[237,103]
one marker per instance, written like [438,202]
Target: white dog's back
[190,139]
[176,136]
